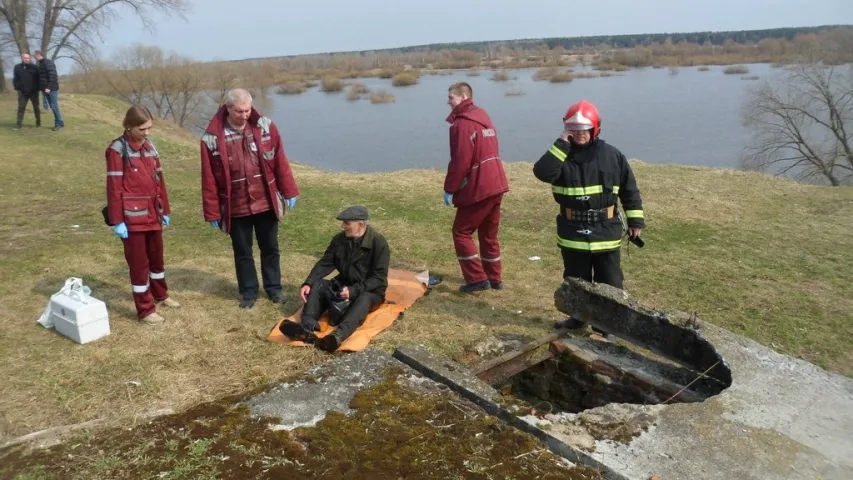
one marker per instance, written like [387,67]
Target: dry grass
[513,92]
[719,243]
[736,70]
[292,88]
[356,91]
[703,68]
[332,84]
[382,96]
[562,77]
[404,79]
[500,76]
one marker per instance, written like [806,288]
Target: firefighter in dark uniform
[361,256]
[588,178]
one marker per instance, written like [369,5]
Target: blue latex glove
[290,202]
[214,224]
[166,220]
[448,197]
[120,230]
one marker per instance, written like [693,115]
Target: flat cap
[356,212]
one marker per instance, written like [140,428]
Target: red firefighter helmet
[583,116]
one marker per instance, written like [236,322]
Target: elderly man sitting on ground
[361,256]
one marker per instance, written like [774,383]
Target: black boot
[297,332]
[329,343]
[475,287]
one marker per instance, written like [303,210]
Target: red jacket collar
[217,123]
[136,146]
[459,109]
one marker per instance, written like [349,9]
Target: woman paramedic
[138,209]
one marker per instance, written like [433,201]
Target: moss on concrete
[397,430]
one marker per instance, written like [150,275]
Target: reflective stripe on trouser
[144,254]
[483,217]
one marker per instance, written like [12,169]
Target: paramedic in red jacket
[475,183]
[246,181]
[138,209]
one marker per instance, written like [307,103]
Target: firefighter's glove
[214,224]
[166,220]
[448,197]
[120,230]
[290,202]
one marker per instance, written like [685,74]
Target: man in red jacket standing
[475,183]
[246,181]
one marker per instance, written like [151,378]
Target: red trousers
[484,217]
[144,254]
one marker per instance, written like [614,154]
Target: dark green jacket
[363,268]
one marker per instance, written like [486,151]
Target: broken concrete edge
[54,435]
[673,334]
[466,384]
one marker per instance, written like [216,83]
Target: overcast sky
[229,29]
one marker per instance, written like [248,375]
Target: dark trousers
[265,227]
[484,217]
[144,254]
[22,106]
[321,296]
[601,267]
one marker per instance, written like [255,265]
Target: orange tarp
[404,289]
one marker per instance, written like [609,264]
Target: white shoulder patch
[209,139]
[264,123]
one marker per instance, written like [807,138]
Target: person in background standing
[49,84]
[25,80]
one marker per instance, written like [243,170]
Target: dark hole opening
[585,373]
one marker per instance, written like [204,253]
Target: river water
[691,118]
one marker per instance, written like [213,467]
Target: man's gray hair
[238,95]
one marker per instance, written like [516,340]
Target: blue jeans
[51,100]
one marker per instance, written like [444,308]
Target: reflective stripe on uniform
[634,213]
[139,288]
[589,246]
[472,257]
[139,213]
[157,276]
[490,260]
[555,151]
[581,191]
[114,173]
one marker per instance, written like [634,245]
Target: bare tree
[803,124]
[72,28]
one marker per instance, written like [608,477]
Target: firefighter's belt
[590,216]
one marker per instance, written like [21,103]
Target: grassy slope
[764,257]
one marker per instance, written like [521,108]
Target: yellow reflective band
[615,189]
[577,191]
[589,246]
[634,213]
[557,153]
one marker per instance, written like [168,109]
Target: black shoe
[329,343]
[297,331]
[247,303]
[570,323]
[475,287]
[496,285]
[277,298]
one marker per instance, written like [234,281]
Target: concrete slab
[781,418]
[327,387]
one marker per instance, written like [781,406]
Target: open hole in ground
[576,374]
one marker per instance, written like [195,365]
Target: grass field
[764,257]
